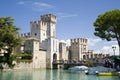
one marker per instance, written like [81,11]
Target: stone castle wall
[78,46]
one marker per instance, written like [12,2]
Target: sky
[75,18]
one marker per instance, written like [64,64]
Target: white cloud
[98,51]
[111,42]
[68,15]
[65,15]
[93,42]
[109,49]
[63,41]
[21,3]
[106,49]
[41,6]
[37,6]
[67,42]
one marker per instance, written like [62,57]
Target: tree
[8,37]
[107,26]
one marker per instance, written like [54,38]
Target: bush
[24,56]
[90,63]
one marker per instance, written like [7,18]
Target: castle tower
[35,29]
[78,48]
[49,21]
[45,31]
[45,28]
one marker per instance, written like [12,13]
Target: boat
[95,70]
[107,74]
[78,68]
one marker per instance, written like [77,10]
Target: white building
[45,31]
[43,44]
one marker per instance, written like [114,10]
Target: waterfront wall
[39,59]
[23,65]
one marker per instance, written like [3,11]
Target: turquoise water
[52,75]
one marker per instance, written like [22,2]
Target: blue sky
[75,18]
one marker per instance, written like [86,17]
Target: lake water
[51,75]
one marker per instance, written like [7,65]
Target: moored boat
[95,70]
[107,74]
[78,68]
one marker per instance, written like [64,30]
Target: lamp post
[114,48]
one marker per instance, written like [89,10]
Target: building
[43,30]
[78,47]
[42,42]
[39,55]
[92,55]
[63,51]
[78,50]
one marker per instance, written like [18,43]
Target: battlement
[34,22]
[78,40]
[49,18]
[24,35]
[44,18]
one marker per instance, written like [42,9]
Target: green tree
[8,37]
[107,26]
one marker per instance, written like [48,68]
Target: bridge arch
[54,57]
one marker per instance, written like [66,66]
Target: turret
[49,21]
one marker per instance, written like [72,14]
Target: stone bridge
[66,64]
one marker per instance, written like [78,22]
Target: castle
[46,48]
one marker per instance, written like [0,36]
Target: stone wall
[78,47]
[63,54]
[23,65]
[39,59]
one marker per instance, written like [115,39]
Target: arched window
[35,34]
[54,57]
[84,57]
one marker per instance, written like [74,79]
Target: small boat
[107,74]
[95,70]
[78,68]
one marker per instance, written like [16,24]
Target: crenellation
[78,41]
[72,41]
[35,23]
[24,35]
[49,18]
[43,23]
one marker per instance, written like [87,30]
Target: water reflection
[51,75]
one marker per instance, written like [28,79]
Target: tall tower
[52,47]
[36,30]
[45,31]
[45,28]
[78,48]
[49,21]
